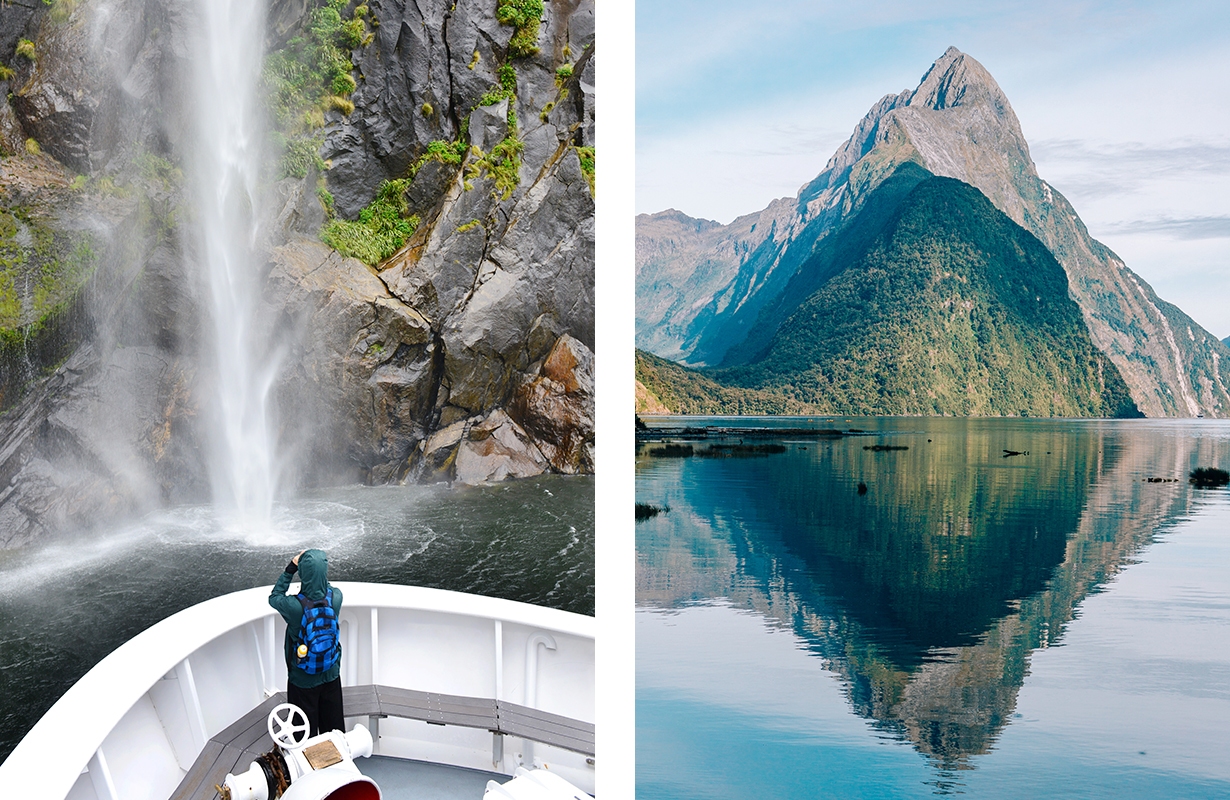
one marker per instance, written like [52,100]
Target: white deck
[133,726]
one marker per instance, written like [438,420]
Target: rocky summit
[702,288]
[426,264]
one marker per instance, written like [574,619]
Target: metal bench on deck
[242,742]
[231,750]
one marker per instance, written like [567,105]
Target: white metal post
[100,776]
[192,704]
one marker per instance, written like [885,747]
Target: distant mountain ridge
[702,288]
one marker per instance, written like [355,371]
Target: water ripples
[64,606]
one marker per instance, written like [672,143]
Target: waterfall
[227,163]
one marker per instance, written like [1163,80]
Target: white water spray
[228,158]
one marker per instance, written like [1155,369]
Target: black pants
[322,704]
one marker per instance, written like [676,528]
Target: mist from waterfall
[226,164]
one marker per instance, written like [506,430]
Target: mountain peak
[956,79]
[951,120]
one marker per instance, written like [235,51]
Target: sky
[1125,105]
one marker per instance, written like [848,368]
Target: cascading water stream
[228,159]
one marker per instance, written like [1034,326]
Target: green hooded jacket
[314,574]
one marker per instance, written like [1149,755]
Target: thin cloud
[1089,170]
[1184,229]
[1203,157]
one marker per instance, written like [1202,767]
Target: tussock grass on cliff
[380,231]
[309,75]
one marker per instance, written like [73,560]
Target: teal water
[1049,624]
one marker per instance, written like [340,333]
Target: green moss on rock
[525,16]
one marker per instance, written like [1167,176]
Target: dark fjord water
[64,607]
[1050,624]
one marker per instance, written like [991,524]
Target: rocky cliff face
[465,356]
[956,124]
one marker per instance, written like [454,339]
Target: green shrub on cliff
[312,72]
[340,103]
[442,151]
[344,84]
[508,77]
[503,164]
[299,155]
[525,16]
[351,33]
[494,95]
[381,229]
[586,154]
[61,10]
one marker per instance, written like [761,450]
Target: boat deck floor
[400,779]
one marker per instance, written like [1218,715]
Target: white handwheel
[286,723]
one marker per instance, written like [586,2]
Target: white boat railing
[132,727]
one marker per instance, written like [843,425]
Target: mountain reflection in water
[926,594]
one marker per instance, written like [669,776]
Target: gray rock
[489,125]
[12,137]
[359,376]
[167,304]
[106,84]
[403,68]
[70,461]
[57,105]
[428,187]
[438,453]
[477,43]
[300,209]
[285,18]
[540,265]
[496,449]
[556,407]
[19,21]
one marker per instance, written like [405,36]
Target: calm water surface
[1049,624]
[64,607]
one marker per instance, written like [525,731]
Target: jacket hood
[314,574]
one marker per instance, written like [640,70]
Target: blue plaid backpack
[318,650]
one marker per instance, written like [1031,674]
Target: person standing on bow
[313,641]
